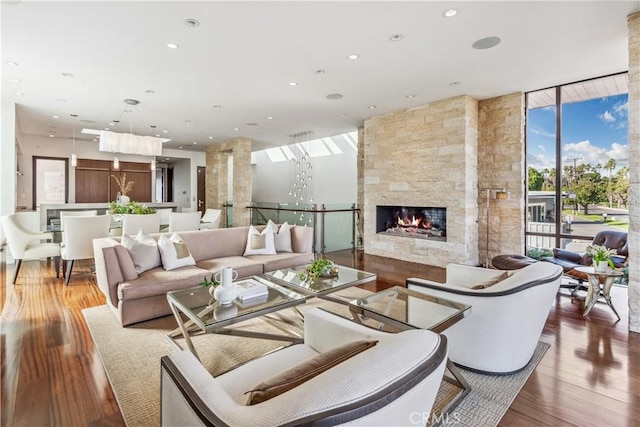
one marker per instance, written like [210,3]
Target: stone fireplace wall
[444,154]
[425,156]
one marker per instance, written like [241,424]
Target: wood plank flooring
[52,375]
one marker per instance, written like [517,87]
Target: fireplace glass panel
[412,221]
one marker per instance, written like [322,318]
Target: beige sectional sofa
[135,298]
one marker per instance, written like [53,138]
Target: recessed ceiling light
[320,71]
[293,84]
[411,96]
[334,96]
[172,45]
[195,142]
[19,93]
[165,131]
[16,80]
[343,115]
[251,124]
[191,23]
[455,84]
[354,56]
[149,91]
[217,106]
[157,135]
[95,140]
[112,124]
[51,135]
[13,64]
[55,117]
[67,75]
[236,128]
[486,43]
[372,107]
[396,37]
[61,100]
[210,137]
[450,13]
[269,117]
[106,129]
[181,147]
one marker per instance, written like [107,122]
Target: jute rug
[131,358]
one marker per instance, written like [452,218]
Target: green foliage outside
[538,253]
[130,208]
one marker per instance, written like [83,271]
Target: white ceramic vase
[124,200]
[601,266]
[225,293]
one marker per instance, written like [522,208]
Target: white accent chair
[77,241]
[26,245]
[393,383]
[132,224]
[507,318]
[211,219]
[184,221]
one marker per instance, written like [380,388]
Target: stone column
[634,172]
[501,163]
[360,165]
[217,157]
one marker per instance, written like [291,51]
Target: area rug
[131,358]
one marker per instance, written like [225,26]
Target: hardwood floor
[53,376]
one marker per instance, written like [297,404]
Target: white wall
[8,158]
[334,177]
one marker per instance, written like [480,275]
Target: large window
[577,163]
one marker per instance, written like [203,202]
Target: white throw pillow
[282,237]
[143,250]
[174,252]
[260,243]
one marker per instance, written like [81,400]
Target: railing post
[315,229]
[278,213]
[322,246]
[353,226]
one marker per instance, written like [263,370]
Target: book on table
[248,289]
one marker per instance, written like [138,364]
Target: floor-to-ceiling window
[577,163]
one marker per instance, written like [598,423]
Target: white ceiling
[244,54]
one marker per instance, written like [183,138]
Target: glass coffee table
[346,278]
[405,309]
[206,315]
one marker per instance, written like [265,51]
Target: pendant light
[74,157]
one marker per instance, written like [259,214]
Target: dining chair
[78,238]
[184,221]
[165,213]
[26,245]
[64,214]
[211,219]
[131,223]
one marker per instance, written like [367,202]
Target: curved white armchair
[25,245]
[184,221]
[392,383]
[132,224]
[79,232]
[211,219]
[506,318]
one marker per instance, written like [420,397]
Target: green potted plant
[601,257]
[321,267]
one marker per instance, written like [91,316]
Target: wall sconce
[116,163]
[153,164]
[499,194]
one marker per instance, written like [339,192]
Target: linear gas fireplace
[412,221]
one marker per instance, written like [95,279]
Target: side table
[599,281]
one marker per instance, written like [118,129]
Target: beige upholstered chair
[132,224]
[26,245]
[211,219]
[78,238]
[184,221]
[393,383]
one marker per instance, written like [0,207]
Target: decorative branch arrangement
[125,187]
